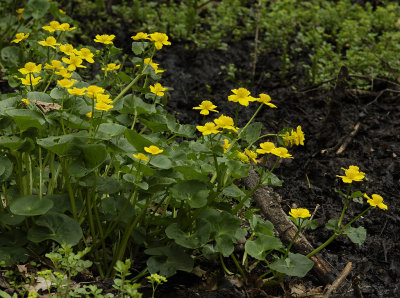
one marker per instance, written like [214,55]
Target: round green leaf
[194,192]
[258,248]
[30,205]
[293,265]
[56,226]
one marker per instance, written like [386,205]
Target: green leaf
[168,259]
[11,55]
[193,192]
[233,191]
[55,226]
[138,47]
[161,161]
[136,140]
[13,255]
[195,240]
[237,168]
[6,168]
[131,104]
[30,205]
[357,194]
[11,219]
[332,225]
[40,96]
[107,131]
[12,142]
[26,118]
[258,248]
[57,93]
[36,8]
[224,228]
[94,155]
[272,179]
[113,206]
[252,132]
[356,235]
[294,265]
[64,145]
[7,104]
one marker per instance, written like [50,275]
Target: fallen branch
[332,289]
[268,201]
[348,139]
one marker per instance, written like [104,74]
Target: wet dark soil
[328,117]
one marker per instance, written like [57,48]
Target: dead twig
[381,93]
[332,289]
[348,139]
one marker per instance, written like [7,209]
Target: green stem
[40,173]
[69,188]
[239,268]
[223,265]
[344,206]
[338,233]
[294,238]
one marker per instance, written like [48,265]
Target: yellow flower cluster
[269,148]
[243,97]
[20,36]
[247,156]
[153,150]
[56,26]
[223,122]
[159,39]
[29,69]
[294,137]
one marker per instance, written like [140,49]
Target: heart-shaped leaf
[258,248]
[31,205]
[194,192]
[293,265]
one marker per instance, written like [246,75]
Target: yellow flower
[153,150]
[352,174]
[376,201]
[30,67]
[19,12]
[55,64]
[86,54]
[89,115]
[251,154]
[140,35]
[241,95]
[104,38]
[104,98]
[25,101]
[49,42]
[265,99]
[76,91]
[266,147]
[111,67]
[300,213]
[102,106]
[281,152]
[67,49]
[65,83]
[53,26]
[74,62]
[152,64]
[159,40]
[30,80]
[226,144]
[157,89]
[294,137]
[65,27]
[19,37]
[62,11]
[141,156]
[208,128]
[62,71]
[243,157]
[206,107]
[159,279]
[93,90]
[225,122]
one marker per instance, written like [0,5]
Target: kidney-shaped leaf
[194,192]
[56,226]
[31,205]
[189,240]
[26,118]
[293,265]
[258,248]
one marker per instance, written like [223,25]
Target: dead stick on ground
[348,138]
[339,280]
[268,201]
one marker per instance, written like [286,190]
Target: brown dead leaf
[46,107]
